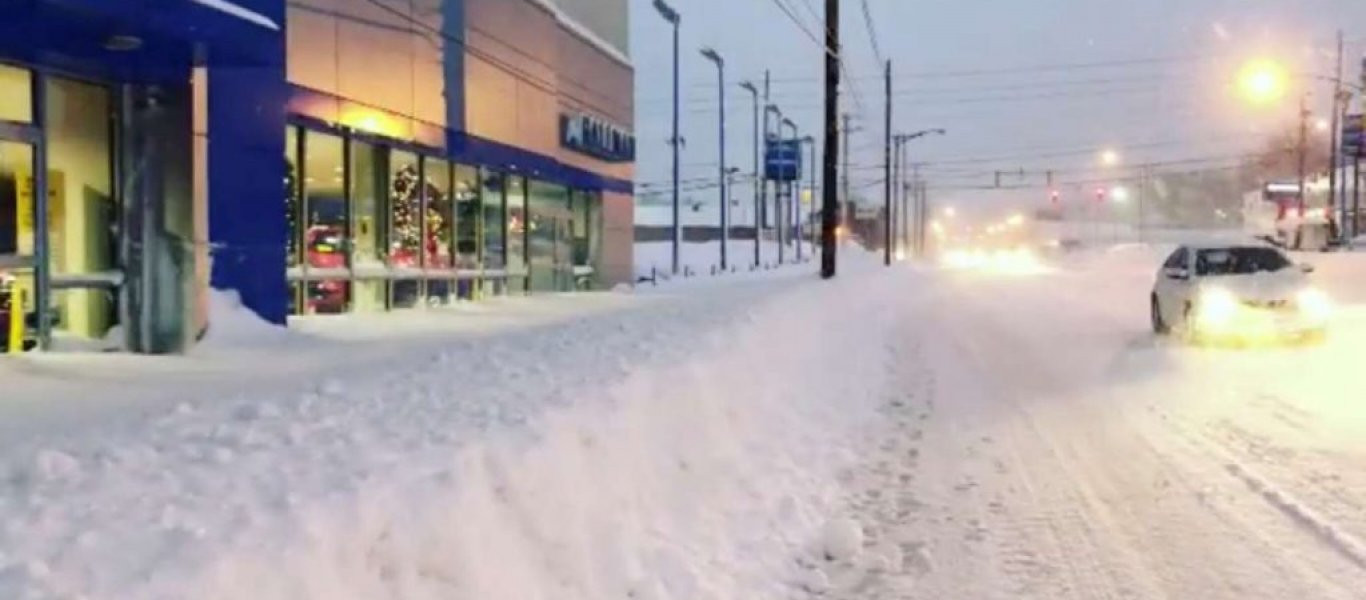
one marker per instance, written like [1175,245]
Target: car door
[1171,289]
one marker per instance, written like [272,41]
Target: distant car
[1237,293]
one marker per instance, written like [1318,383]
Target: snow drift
[686,452]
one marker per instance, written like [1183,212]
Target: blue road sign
[783,160]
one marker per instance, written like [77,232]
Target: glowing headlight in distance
[1315,304]
[1216,306]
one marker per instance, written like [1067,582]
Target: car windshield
[1239,261]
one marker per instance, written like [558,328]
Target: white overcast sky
[996,74]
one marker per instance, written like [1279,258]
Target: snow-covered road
[1048,447]
[904,433]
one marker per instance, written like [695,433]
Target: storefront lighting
[371,121]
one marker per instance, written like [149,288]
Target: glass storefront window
[368,192]
[82,216]
[548,237]
[587,209]
[16,94]
[328,297]
[495,228]
[440,292]
[368,176]
[439,217]
[516,224]
[16,199]
[293,206]
[405,216]
[469,217]
[324,203]
[16,237]
[407,293]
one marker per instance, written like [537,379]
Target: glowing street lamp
[950,212]
[1109,158]
[1263,81]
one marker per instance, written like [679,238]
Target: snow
[669,448]
[233,325]
[894,433]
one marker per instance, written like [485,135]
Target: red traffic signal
[1100,194]
[1055,197]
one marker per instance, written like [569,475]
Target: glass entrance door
[550,239]
[17,236]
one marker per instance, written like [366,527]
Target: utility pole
[1303,151]
[887,169]
[897,205]
[830,203]
[907,217]
[1356,160]
[1333,139]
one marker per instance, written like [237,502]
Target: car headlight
[1314,304]
[1216,307]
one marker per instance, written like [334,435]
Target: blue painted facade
[248,96]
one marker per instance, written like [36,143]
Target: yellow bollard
[16,316]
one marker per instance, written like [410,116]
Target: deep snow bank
[684,452]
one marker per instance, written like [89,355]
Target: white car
[1237,292]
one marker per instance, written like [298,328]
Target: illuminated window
[16,94]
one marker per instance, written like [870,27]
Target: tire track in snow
[1326,532]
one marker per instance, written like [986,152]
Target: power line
[872,32]
[802,26]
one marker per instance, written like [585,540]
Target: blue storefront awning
[141,40]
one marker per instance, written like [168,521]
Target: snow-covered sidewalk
[684,446]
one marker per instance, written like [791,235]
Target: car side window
[1177,260]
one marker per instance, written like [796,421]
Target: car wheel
[1160,327]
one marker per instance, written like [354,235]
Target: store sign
[597,138]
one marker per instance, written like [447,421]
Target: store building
[316,156]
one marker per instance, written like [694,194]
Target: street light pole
[811,213]
[792,191]
[918,220]
[672,16]
[754,91]
[1303,151]
[1332,137]
[712,55]
[769,138]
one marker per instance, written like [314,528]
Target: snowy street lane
[1050,448]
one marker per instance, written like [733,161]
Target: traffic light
[1055,198]
[1100,195]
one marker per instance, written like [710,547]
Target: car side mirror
[1177,273]
[1306,268]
